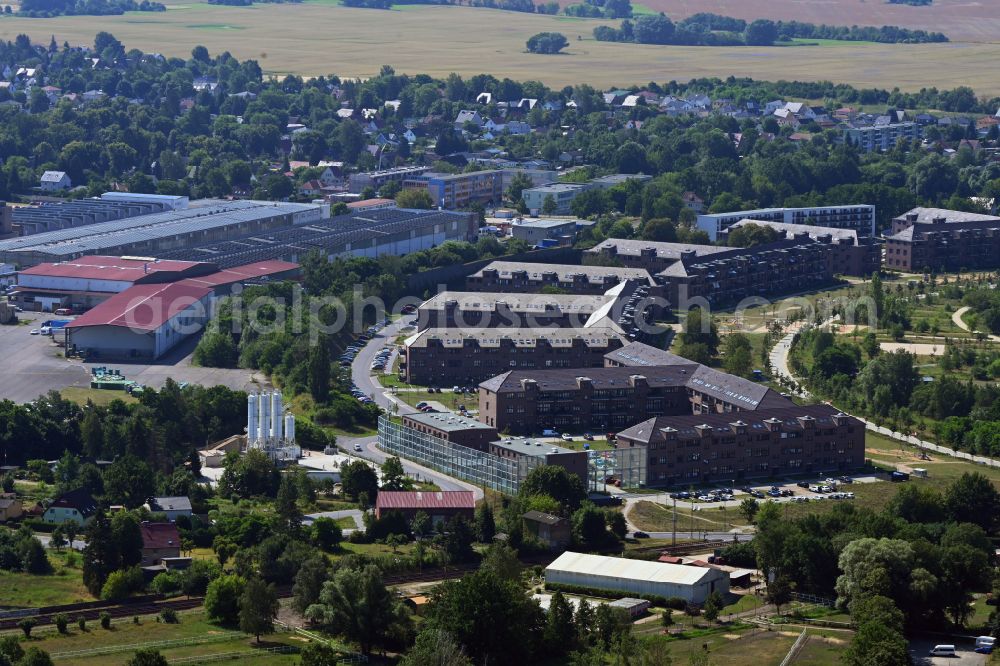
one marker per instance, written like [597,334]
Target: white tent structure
[637,577]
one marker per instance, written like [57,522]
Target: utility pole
[673,539]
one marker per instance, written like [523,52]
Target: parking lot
[966,656]
[34,365]
[788,491]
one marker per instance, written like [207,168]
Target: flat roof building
[159,234]
[860,217]
[529,453]
[638,577]
[944,246]
[561,231]
[562,195]
[357,182]
[452,428]
[471,309]
[52,216]
[460,190]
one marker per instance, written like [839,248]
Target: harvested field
[322,38]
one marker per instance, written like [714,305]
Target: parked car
[640,535]
[587,436]
[802,484]
[421,404]
[566,437]
[357,447]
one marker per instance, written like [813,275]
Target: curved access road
[361,373]
[957,317]
[779,361]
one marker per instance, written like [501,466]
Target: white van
[943,651]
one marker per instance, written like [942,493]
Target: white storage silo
[276,414]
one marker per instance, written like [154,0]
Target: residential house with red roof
[159,540]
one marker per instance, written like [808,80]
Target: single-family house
[77,506]
[55,181]
[159,540]
[172,507]
[466,116]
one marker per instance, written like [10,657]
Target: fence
[813,599]
[156,645]
[241,654]
[796,647]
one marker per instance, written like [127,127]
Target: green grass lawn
[653,517]
[100,397]
[823,648]
[734,647]
[64,586]
[119,643]
[447,397]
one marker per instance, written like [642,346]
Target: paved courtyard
[32,365]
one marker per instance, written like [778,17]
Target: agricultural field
[961,20]
[321,37]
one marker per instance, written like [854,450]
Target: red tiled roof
[240,273]
[159,536]
[444,499]
[143,307]
[110,268]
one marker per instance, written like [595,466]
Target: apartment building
[849,253]
[686,450]
[511,276]
[460,190]
[547,231]
[726,278]
[859,217]
[881,137]
[449,356]
[376,179]
[648,255]
[596,400]
[944,246]
[921,215]
[562,195]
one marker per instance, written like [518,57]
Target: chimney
[807,422]
[704,430]
[939,220]
[773,424]
[637,380]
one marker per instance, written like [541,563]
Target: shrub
[135,619]
[61,622]
[105,620]
[82,623]
[169,616]
[26,625]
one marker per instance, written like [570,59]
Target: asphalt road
[361,373]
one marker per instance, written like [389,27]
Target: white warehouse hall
[637,577]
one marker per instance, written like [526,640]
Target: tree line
[705,29]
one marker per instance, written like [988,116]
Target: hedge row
[676,603]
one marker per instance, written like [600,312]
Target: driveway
[920,649]
[354,514]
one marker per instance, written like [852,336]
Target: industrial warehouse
[637,577]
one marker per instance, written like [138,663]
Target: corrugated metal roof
[619,567]
[95,237]
[442,499]
[240,273]
[109,268]
[143,307]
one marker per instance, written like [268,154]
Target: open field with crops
[322,38]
